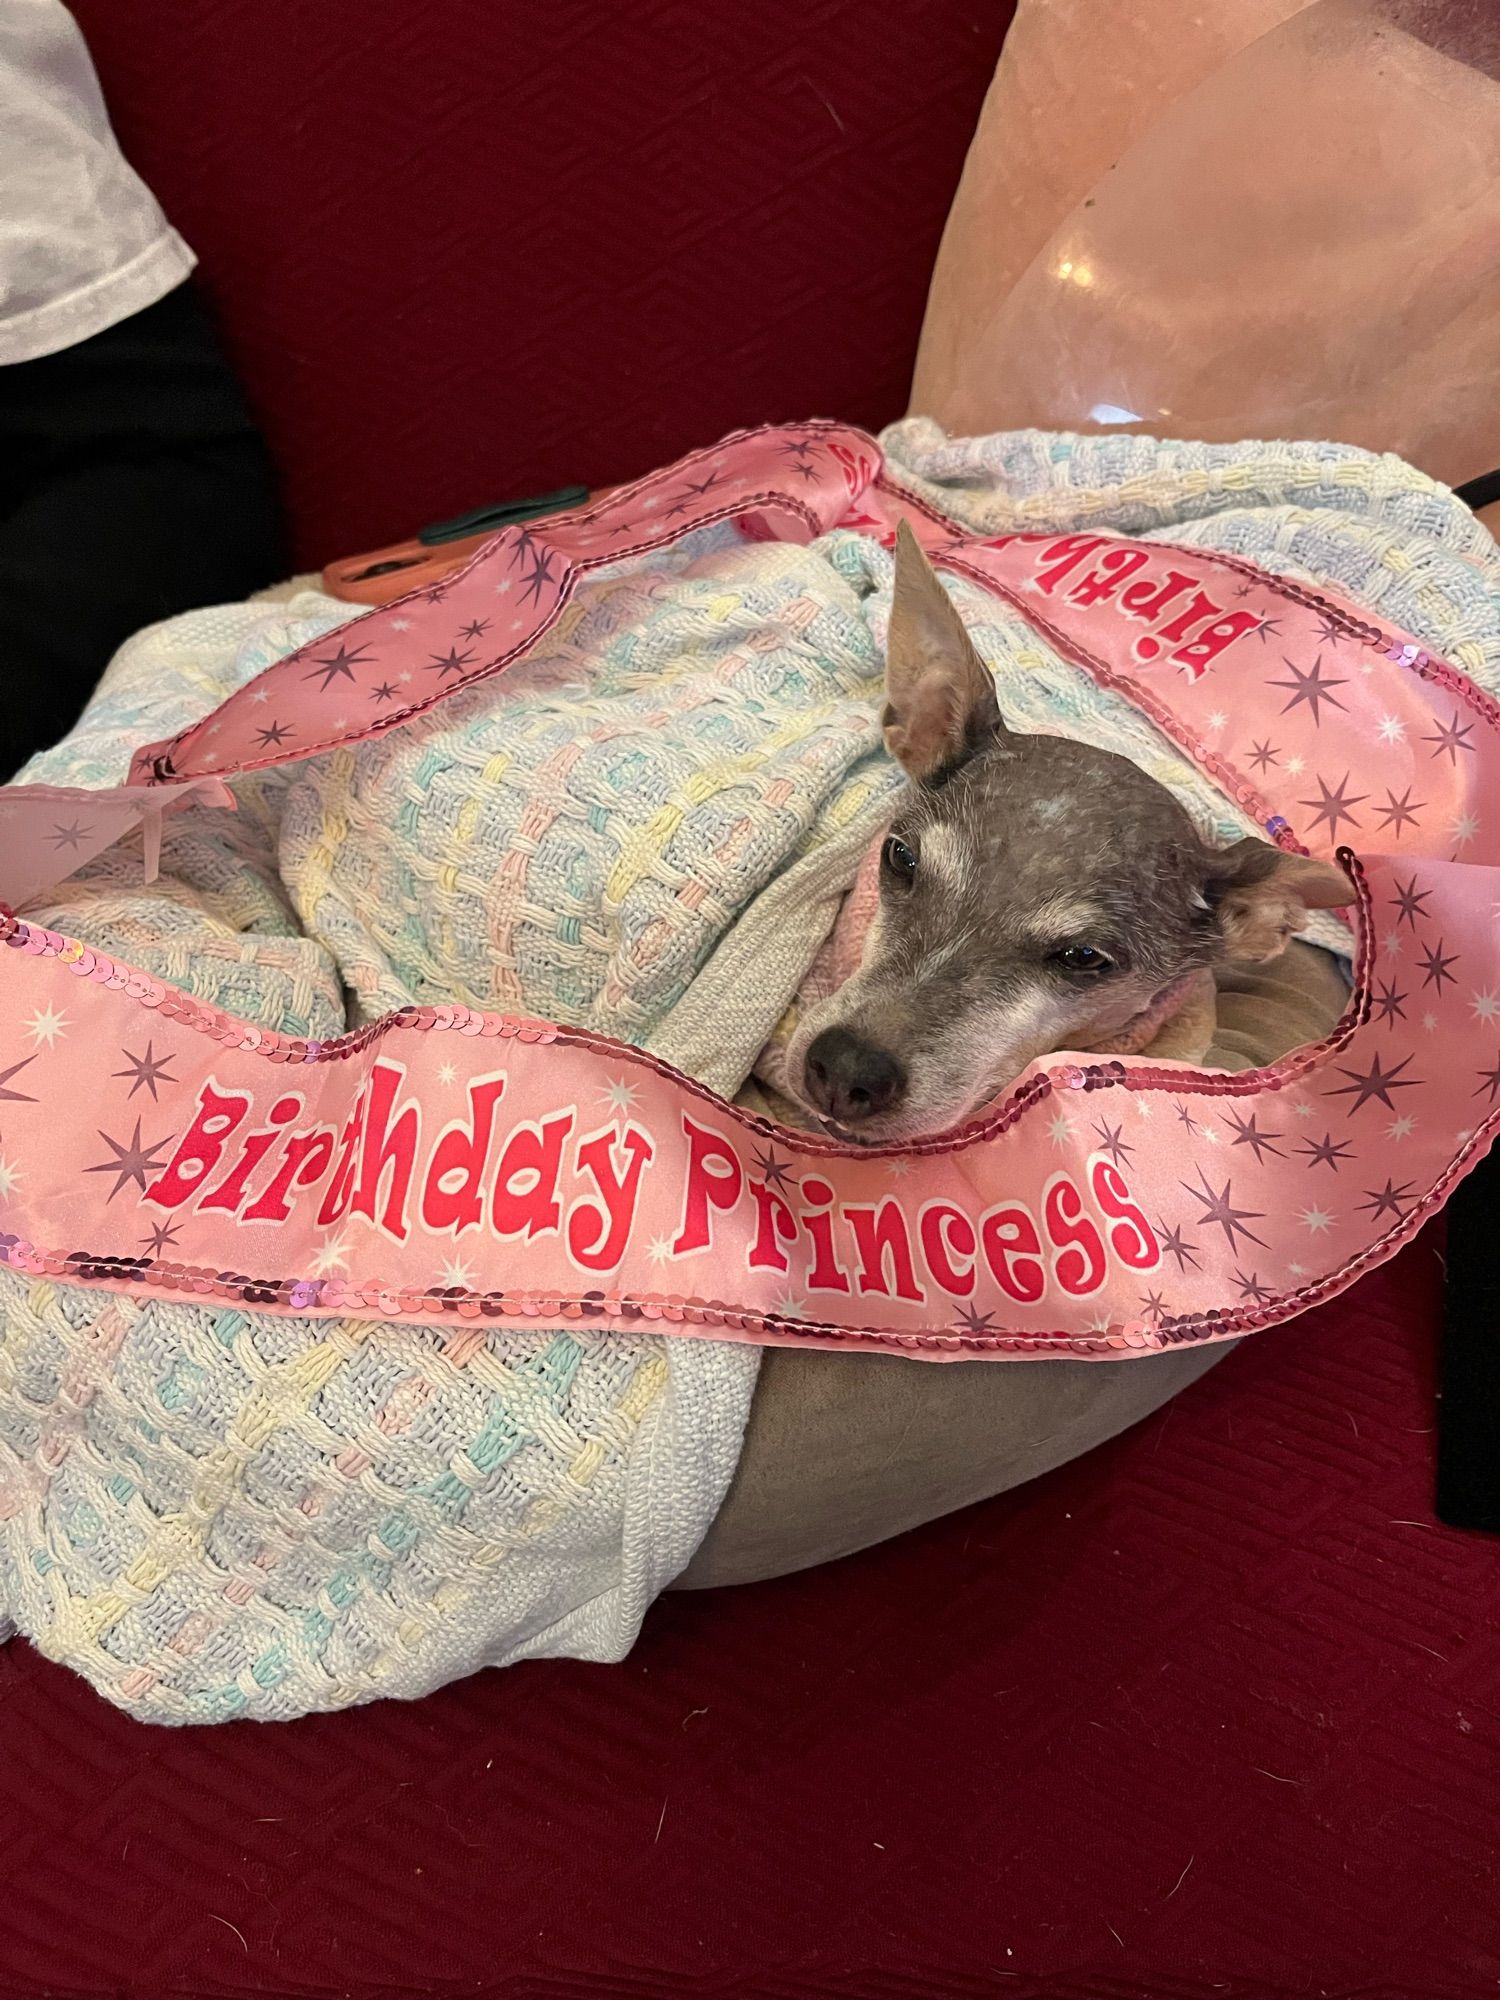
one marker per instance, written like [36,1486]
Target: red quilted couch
[1214,1712]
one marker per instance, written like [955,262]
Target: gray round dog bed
[843,1451]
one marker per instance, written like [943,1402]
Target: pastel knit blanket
[648,827]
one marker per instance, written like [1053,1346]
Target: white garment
[83,243]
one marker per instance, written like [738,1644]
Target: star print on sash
[800,452]
[1110,1142]
[1326,1152]
[1387,1004]
[1389,1200]
[774,1171]
[1218,1206]
[1396,813]
[975,1322]
[1450,740]
[1312,687]
[46,1024]
[337,665]
[1462,830]
[1334,805]
[145,1071]
[1247,1132]
[133,1160]
[1375,1084]
[1174,1244]
[537,578]
[1411,902]
[1435,965]
[1250,1287]
[163,1236]
[9,1096]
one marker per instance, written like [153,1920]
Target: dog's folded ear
[940,696]
[1262,895]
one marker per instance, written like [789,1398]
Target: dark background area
[473,248]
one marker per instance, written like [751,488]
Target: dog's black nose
[850,1079]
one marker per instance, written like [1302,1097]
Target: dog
[1035,894]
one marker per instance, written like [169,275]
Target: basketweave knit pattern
[578,847]
[646,828]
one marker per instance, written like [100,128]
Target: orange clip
[386,574]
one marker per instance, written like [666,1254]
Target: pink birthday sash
[462,1169]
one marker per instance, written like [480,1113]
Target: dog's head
[1035,894]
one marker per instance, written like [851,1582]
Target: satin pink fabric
[460,1169]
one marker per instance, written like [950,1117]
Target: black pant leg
[100,551]
[1468,1452]
[136,486]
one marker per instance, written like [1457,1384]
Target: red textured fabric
[466,250]
[1215,1711]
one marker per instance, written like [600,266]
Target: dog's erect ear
[1262,896]
[940,696]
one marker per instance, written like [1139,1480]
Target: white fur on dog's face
[1036,894]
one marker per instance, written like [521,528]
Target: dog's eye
[899,859]
[1081,958]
